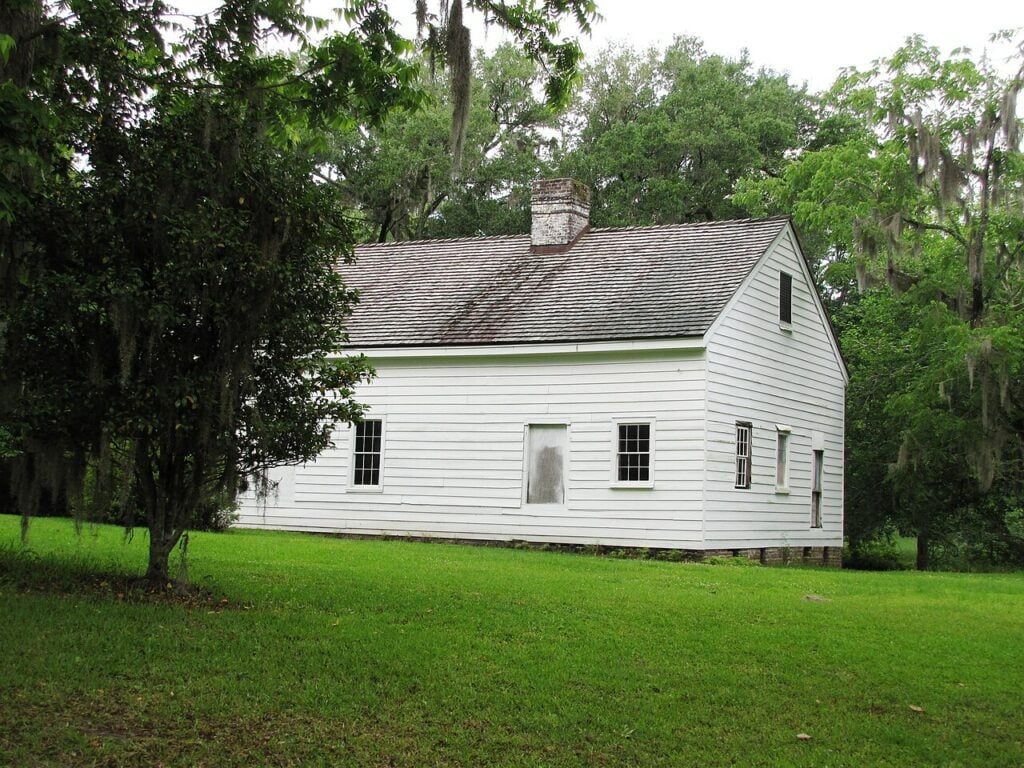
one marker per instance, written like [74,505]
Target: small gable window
[785,298]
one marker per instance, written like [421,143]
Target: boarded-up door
[545,463]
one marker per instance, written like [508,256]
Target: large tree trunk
[159,554]
[162,541]
[164,515]
[922,551]
[976,242]
[977,302]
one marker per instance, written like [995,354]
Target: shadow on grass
[25,570]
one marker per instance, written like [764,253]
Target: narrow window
[782,459]
[366,454]
[634,453]
[743,433]
[785,297]
[816,468]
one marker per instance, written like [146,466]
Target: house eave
[530,349]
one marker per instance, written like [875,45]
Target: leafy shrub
[878,554]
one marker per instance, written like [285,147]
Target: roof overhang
[624,346]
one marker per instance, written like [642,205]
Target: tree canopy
[534,25]
[171,315]
[399,176]
[664,137]
[173,303]
[920,196]
[639,133]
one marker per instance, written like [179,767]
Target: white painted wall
[760,373]
[454,451]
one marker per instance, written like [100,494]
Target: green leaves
[176,304]
[902,188]
[535,27]
[7,43]
[399,173]
[643,138]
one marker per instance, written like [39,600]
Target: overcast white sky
[811,41]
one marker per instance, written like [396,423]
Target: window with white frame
[744,433]
[817,462]
[782,458]
[633,452]
[367,452]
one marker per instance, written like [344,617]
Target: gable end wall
[762,374]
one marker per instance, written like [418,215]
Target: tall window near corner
[785,298]
[782,459]
[818,461]
[366,454]
[744,430]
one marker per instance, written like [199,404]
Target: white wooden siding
[453,452]
[762,374]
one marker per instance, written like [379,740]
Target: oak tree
[921,194]
[664,137]
[171,314]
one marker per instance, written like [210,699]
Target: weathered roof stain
[612,284]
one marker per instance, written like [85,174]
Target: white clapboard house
[672,387]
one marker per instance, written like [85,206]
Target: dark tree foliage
[170,315]
[535,27]
[399,176]
[916,183]
[170,305]
[665,137]
[660,137]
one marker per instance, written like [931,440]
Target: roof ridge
[632,228]
[693,224]
[435,240]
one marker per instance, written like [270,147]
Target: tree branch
[936,227]
[43,29]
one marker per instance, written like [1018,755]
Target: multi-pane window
[634,453]
[743,436]
[818,460]
[782,459]
[366,453]
[785,297]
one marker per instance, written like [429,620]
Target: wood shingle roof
[611,284]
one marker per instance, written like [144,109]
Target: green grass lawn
[389,653]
